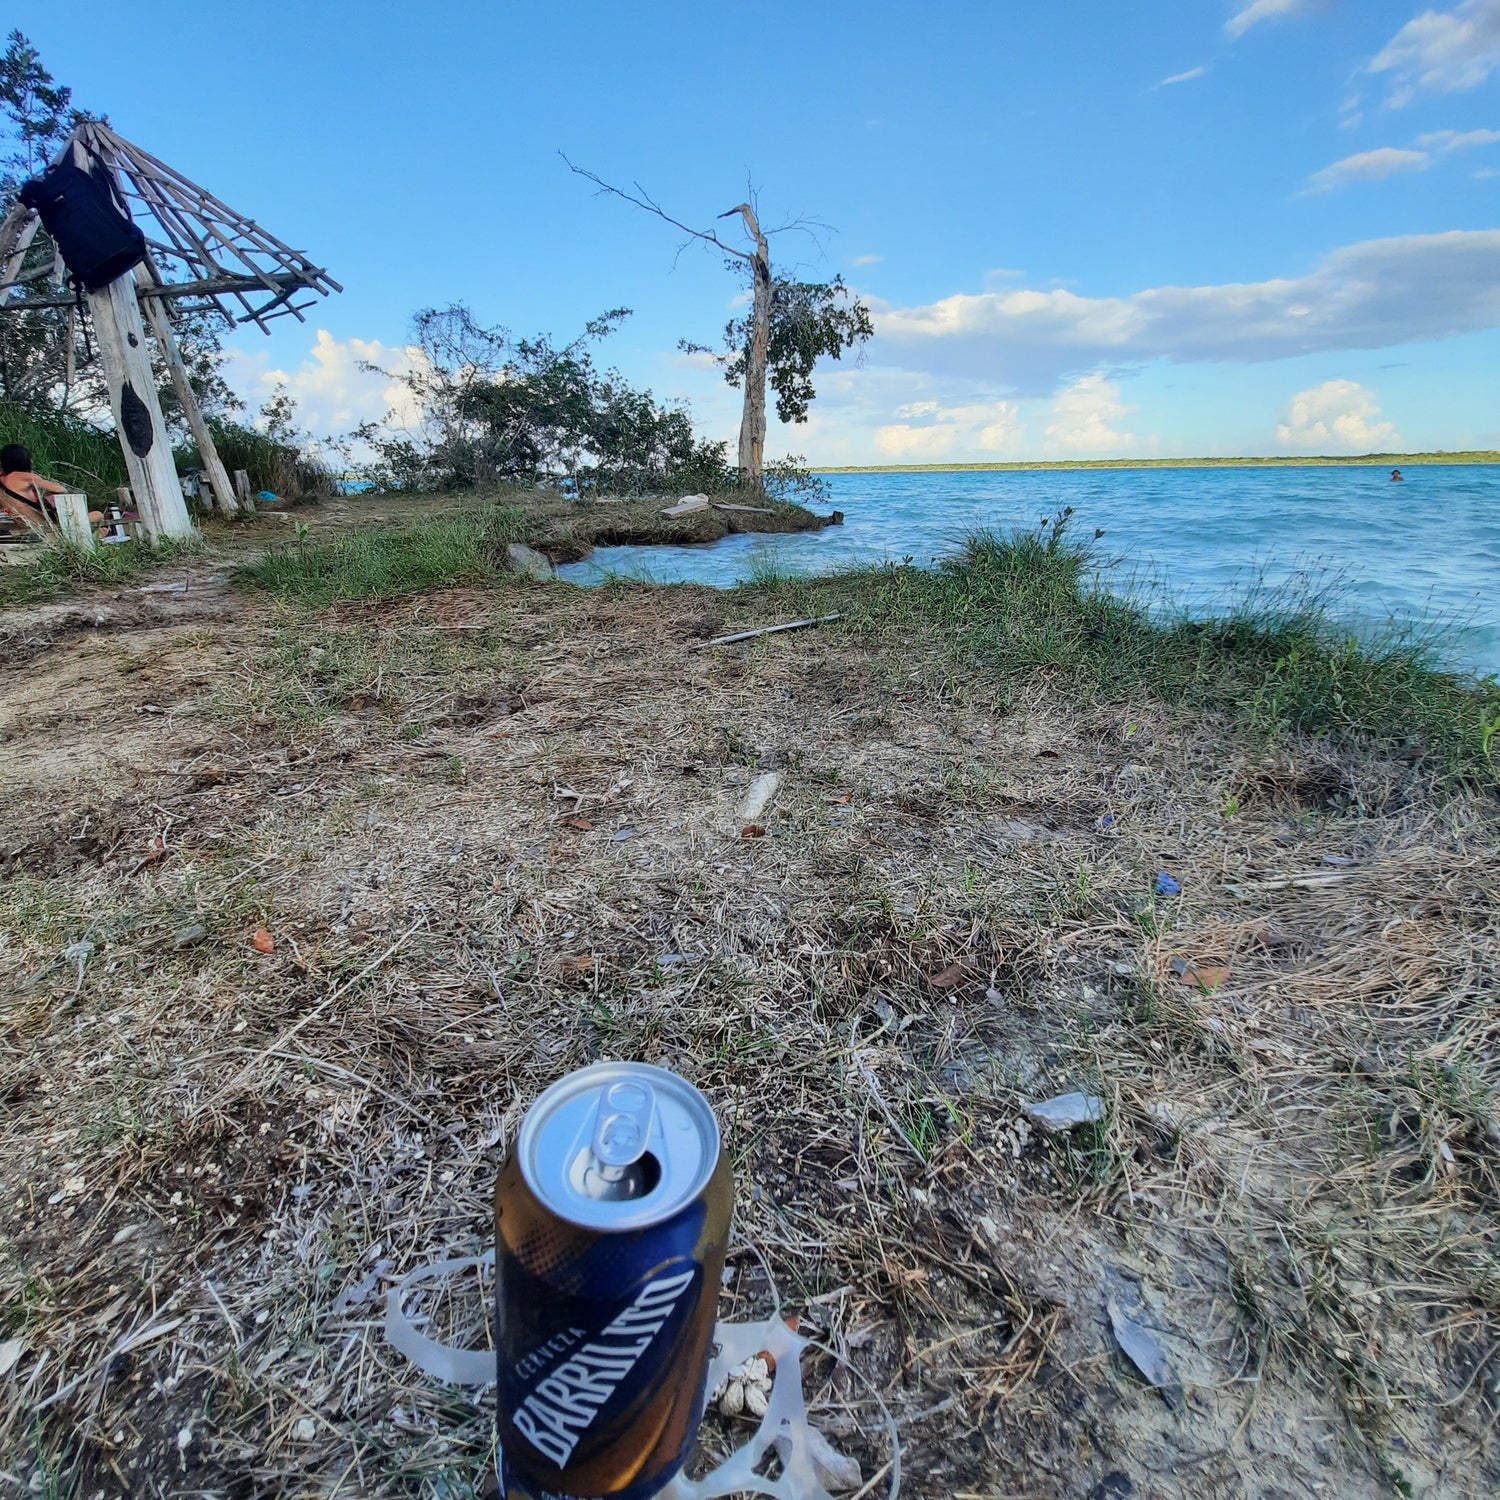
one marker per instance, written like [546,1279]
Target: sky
[1163,229]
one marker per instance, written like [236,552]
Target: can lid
[618,1146]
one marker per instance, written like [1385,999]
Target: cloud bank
[1367,296]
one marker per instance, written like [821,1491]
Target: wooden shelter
[201,255]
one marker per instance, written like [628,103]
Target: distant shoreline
[1369,460]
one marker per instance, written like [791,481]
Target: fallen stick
[1316,881]
[749,635]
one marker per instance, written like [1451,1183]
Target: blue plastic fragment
[1166,886]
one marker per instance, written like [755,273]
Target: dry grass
[492,832]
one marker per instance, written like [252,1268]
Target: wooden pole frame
[73,519]
[213,465]
[139,424]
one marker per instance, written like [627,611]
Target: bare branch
[642,199]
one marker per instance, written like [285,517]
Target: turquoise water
[1420,553]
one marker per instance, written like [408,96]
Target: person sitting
[28,496]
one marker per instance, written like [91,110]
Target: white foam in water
[784,1428]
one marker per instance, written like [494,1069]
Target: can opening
[606,1184]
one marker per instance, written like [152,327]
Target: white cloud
[1372,295]
[1081,417]
[333,393]
[933,430]
[1339,416]
[1442,52]
[867,260]
[1457,140]
[1368,166]
[1186,77]
[914,444]
[1265,10]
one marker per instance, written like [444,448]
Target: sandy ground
[495,835]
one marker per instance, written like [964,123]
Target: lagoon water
[1420,553]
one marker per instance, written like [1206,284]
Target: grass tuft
[454,549]
[1035,602]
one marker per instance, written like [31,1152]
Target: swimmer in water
[1397,477]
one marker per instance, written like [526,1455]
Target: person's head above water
[15,459]
[1395,473]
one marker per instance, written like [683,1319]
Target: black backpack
[97,241]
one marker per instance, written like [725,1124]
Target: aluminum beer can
[611,1223]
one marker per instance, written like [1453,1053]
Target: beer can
[611,1223]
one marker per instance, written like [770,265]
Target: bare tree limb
[651,206]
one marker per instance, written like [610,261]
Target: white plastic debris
[811,1467]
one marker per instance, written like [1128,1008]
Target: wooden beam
[138,420]
[242,492]
[73,519]
[208,453]
[16,236]
[208,286]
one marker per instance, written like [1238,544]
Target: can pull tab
[618,1164]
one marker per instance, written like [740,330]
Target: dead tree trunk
[752,451]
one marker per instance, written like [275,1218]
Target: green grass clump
[1034,602]
[271,465]
[58,569]
[65,448]
[383,563]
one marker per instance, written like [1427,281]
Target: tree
[790,325]
[39,110]
[491,409]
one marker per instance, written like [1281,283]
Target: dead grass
[493,832]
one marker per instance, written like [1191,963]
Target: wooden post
[73,519]
[138,418]
[213,465]
[242,492]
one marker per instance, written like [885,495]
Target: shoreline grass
[1024,605]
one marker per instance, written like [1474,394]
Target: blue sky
[1171,227]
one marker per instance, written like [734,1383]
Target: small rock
[188,936]
[263,942]
[1066,1112]
[994,996]
[1145,1353]
[758,798]
[623,834]
[529,563]
[307,1429]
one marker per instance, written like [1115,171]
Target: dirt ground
[495,835]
